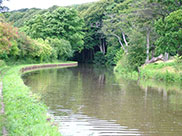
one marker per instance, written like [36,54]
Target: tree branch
[119,39]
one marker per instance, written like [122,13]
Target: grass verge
[25,115]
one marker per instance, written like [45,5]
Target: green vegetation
[142,29]
[25,114]
[16,46]
[170,71]
[52,36]
[165,71]
[128,34]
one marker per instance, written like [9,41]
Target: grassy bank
[25,115]
[170,71]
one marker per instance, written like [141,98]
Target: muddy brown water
[90,101]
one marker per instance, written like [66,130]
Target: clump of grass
[25,114]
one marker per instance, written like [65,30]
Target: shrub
[8,35]
[42,50]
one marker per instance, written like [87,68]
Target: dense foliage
[62,23]
[170,32]
[53,34]
[15,45]
[95,32]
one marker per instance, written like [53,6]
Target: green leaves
[170,31]
[61,48]
[62,23]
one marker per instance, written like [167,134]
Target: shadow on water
[90,100]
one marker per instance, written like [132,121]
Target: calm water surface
[91,101]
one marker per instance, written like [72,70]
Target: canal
[90,101]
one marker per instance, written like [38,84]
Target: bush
[8,36]
[42,50]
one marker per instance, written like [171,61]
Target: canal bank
[24,113]
[169,71]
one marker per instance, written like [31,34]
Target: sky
[19,4]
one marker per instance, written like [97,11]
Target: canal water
[91,101]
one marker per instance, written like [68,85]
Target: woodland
[108,32]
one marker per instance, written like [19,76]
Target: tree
[117,23]
[170,32]
[165,7]
[62,23]
[93,19]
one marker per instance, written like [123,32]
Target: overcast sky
[18,4]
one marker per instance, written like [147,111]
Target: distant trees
[62,23]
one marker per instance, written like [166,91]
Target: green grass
[163,71]
[25,114]
[169,72]
[2,69]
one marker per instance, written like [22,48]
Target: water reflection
[90,101]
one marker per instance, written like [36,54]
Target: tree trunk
[102,46]
[154,59]
[148,46]
[166,56]
[124,38]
